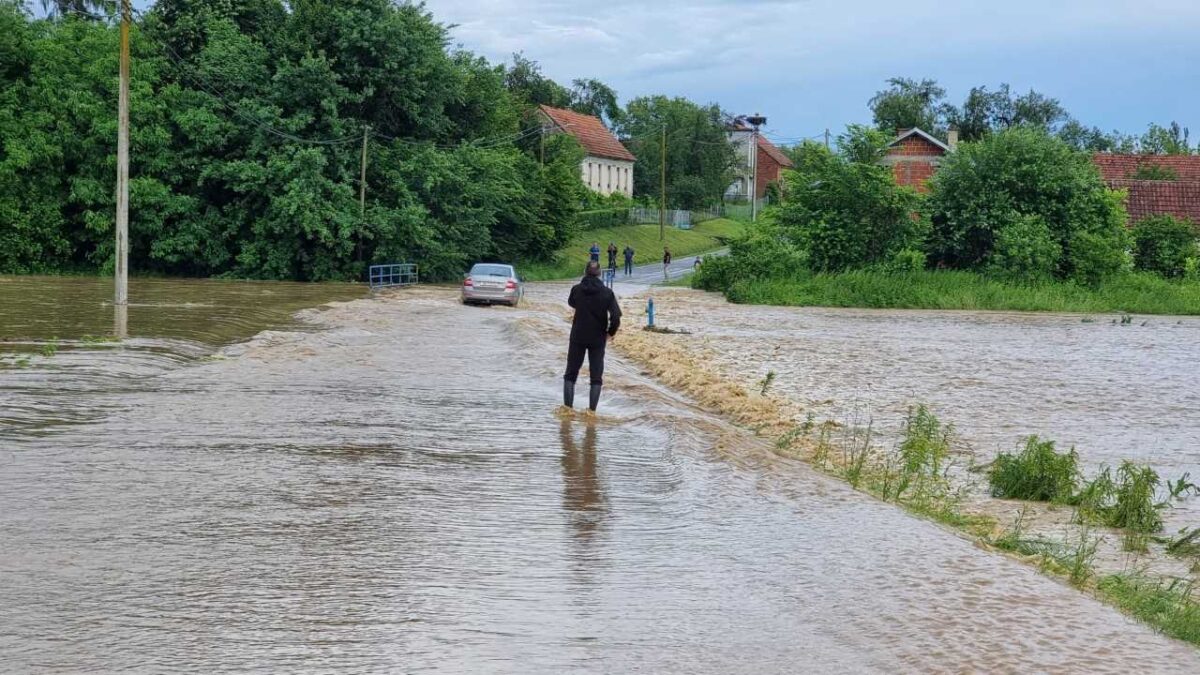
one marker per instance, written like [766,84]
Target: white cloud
[710,48]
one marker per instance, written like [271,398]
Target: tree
[847,214]
[1163,245]
[986,111]
[697,148]
[1008,177]
[593,97]
[526,83]
[908,103]
[1168,140]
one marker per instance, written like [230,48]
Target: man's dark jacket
[596,312]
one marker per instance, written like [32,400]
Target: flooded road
[61,357]
[1113,391]
[391,491]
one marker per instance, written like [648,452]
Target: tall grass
[1139,293]
[1168,605]
[1036,473]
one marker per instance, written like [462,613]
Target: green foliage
[949,289]
[1128,502]
[247,127]
[700,159]
[995,183]
[1163,244]
[1169,140]
[850,214]
[1036,473]
[1169,606]
[1024,249]
[860,144]
[1148,171]
[908,104]
[603,218]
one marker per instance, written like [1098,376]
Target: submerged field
[946,289]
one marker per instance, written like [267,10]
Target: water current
[385,487]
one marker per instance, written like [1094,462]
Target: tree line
[906,103]
[249,123]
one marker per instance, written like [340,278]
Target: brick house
[915,155]
[754,172]
[608,166]
[1179,196]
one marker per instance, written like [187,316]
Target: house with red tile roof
[754,172]
[608,166]
[915,155]
[1174,188]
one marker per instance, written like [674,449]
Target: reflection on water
[583,493]
[64,347]
[393,493]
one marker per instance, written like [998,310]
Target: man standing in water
[597,318]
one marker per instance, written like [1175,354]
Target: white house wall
[607,176]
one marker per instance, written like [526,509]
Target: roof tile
[591,133]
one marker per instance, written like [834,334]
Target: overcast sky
[812,64]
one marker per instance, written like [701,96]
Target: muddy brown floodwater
[1112,391]
[388,489]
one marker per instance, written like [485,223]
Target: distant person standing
[597,318]
[628,260]
[666,263]
[612,255]
[594,251]
[696,264]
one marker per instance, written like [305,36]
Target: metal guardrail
[395,274]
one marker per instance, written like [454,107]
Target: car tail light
[511,285]
[468,282]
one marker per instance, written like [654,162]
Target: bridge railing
[393,274]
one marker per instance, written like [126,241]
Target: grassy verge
[569,261]
[945,289]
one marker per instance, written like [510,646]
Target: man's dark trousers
[595,354]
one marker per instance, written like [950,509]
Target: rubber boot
[594,397]
[568,393]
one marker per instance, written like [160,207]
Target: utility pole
[542,151]
[756,120]
[662,205]
[122,221]
[362,180]
[827,139]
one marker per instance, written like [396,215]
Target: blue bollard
[650,311]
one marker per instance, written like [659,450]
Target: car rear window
[491,270]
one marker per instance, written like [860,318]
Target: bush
[906,260]
[762,255]
[600,219]
[1036,473]
[1024,249]
[1024,171]
[849,215]
[1094,258]
[1127,502]
[1163,244]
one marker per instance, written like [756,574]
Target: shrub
[1127,502]
[602,218]
[1024,249]
[1024,171]
[1153,172]
[1036,473]
[1094,258]
[1163,244]
[764,254]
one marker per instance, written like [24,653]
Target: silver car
[492,283]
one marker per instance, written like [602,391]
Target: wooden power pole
[122,223]
[362,179]
[662,178]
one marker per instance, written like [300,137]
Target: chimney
[952,139]
[900,131]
